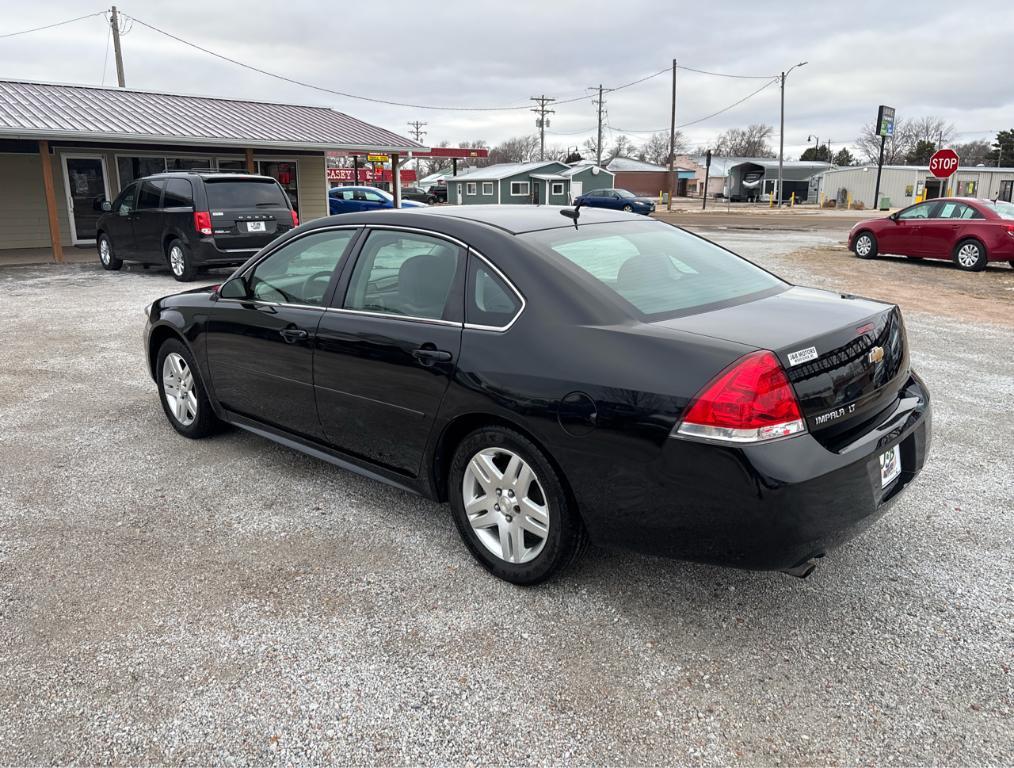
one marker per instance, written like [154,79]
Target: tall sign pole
[114,25]
[885,128]
[672,140]
[707,173]
[781,143]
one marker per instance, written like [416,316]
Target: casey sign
[943,163]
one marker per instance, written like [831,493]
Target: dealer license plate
[255,226]
[890,466]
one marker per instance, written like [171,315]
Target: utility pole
[416,129]
[672,140]
[781,132]
[541,122]
[598,147]
[114,25]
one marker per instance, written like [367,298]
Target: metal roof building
[546,182]
[61,146]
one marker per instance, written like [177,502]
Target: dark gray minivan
[187,220]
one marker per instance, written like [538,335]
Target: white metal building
[907,184]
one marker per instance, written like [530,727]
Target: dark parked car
[623,381]
[418,194]
[354,199]
[968,231]
[191,219]
[617,199]
[439,191]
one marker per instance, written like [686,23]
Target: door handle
[428,356]
[293,334]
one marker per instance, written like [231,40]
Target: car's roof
[210,175]
[521,218]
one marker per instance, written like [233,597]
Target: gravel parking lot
[232,601]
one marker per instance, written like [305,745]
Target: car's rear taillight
[1010,230]
[295,219]
[750,402]
[202,222]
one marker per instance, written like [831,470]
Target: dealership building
[906,184]
[63,146]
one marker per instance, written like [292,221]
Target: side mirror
[236,288]
[101,204]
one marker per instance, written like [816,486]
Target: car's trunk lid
[846,357]
[246,213]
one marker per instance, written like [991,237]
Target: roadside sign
[943,163]
[377,158]
[885,121]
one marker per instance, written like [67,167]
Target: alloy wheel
[178,386]
[177,262]
[864,245]
[104,252]
[968,255]
[506,505]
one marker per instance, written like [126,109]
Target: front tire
[106,255]
[970,255]
[181,263]
[182,392]
[865,245]
[511,508]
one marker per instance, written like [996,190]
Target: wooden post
[250,168]
[395,180]
[50,190]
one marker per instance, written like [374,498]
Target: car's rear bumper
[766,507]
[206,252]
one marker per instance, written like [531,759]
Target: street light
[781,134]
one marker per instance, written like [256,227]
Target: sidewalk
[17,257]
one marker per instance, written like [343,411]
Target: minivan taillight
[202,222]
[750,402]
[295,219]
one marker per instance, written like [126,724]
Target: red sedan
[969,231]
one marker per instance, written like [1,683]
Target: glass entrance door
[85,180]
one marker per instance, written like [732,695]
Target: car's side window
[489,300]
[404,273]
[298,272]
[921,211]
[151,194]
[178,194]
[957,211]
[372,197]
[127,200]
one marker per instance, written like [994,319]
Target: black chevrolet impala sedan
[557,379]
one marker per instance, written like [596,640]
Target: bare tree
[518,149]
[896,147]
[751,141]
[656,149]
[623,147]
[978,152]
[933,130]
[591,147]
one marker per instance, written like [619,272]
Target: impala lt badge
[875,355]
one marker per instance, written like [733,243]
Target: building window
[284,172]
[470,188]
[520,189]
[557,188]
[133,168]
[487,188]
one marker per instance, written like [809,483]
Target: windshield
[1004,209]
[625,194]
[657,269]
[245,193]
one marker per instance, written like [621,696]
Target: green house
[541,183]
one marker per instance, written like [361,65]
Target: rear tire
[106,255]
[628,208]
[865,245]
[181,263]
[970,255]
[532,529]
[182,393]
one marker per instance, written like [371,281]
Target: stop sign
[943,163]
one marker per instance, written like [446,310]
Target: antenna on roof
[573,215]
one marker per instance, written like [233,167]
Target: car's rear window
[245,193]
[1004,209]
[657,269]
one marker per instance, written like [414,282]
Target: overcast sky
[932,57]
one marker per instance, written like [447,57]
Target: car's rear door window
[244,193]
[657,269]
[406,274]
[179,193]
[151,194]
[490,301]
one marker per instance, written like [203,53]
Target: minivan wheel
[180,262]
[510,507]
[106,255]
[182,392]
[970,255]
[865,246]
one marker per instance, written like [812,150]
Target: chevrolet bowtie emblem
[875,355]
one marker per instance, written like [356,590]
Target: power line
[50,26]
[723,74]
